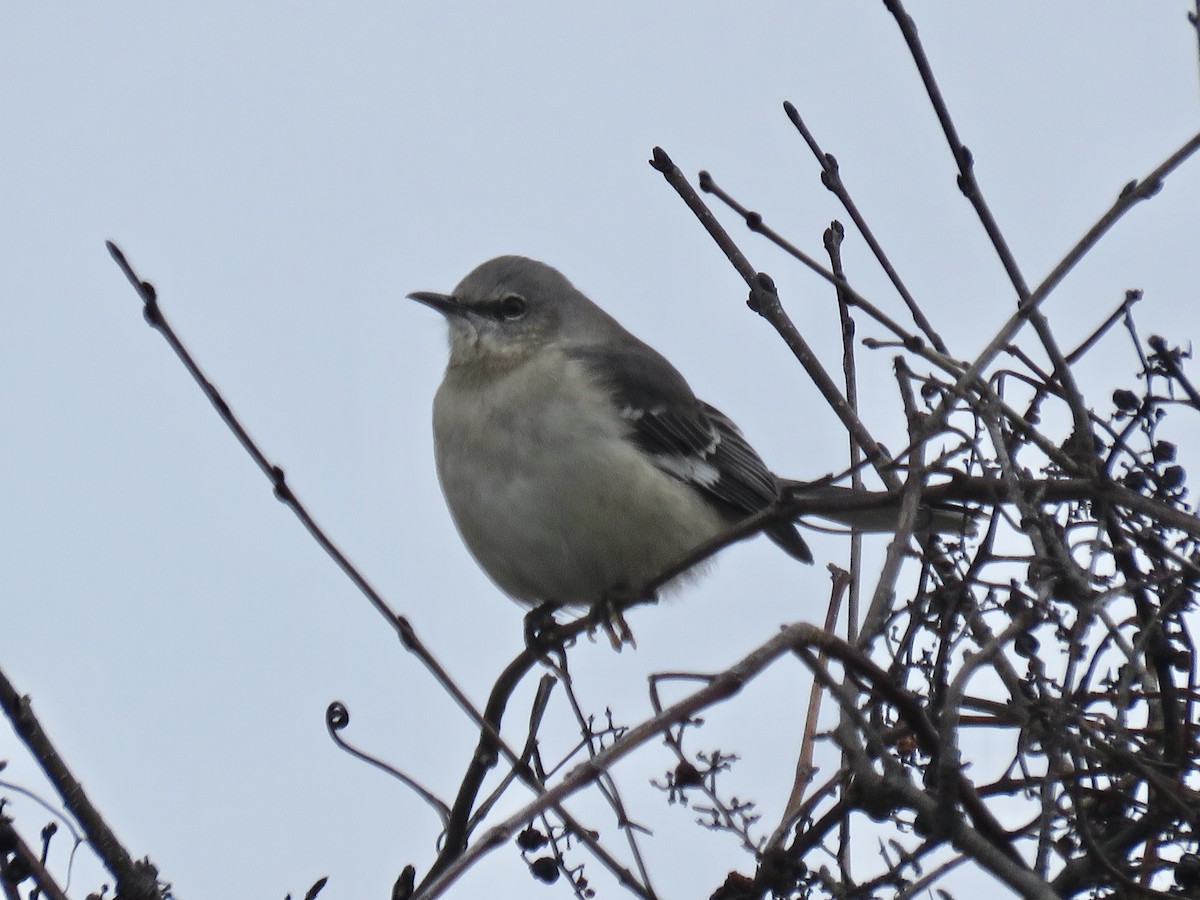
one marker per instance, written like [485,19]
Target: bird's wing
[700,446]
[686,438]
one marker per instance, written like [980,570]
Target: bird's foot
[609,614]
[541,631]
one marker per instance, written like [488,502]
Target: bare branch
[831,177]
[136,880]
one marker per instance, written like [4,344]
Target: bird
[575,460]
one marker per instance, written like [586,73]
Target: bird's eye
[512,307]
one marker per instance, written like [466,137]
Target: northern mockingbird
[575,459]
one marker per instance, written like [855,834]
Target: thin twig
[1194,18]
[136,880]
[337,718]
[805,770]
[721,687]
[968,183]
[11,840]
[833,244]
[1131,297]
[765,302]
[1133,193]
[831,177]
[1164,355]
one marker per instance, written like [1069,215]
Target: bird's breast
[552,499]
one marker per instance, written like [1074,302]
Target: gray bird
[574,458]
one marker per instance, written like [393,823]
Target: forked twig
[805,770]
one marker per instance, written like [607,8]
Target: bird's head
[508,309]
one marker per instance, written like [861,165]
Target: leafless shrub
[1055,630]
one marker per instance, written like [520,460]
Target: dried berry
[1136,481]
[687,775]
[1172,477]
[1026,645]
[1187,872]
[531,839]
[1164,451]
[545,868]
[1124,400]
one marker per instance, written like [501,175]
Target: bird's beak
[446,304]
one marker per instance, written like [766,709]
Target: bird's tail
[876,510]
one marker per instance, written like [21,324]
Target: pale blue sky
[286,173]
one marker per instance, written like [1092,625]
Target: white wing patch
[690,469]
